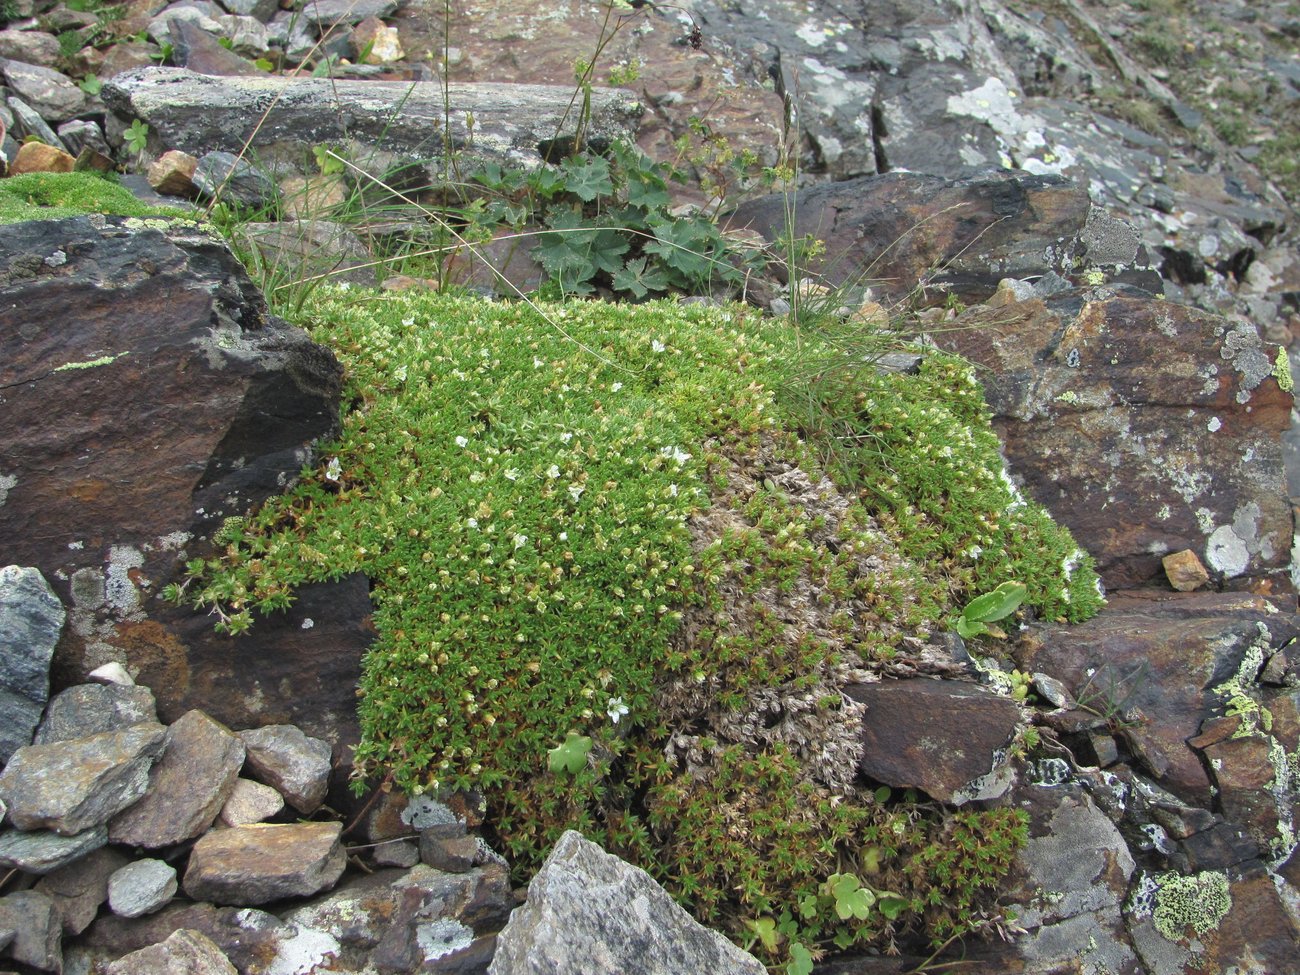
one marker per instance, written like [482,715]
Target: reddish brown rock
[247,865]
[935,735]
[185,952]
[37,157]
[78,889]
[1242,772]
[1185,571]
[172,173]
[1144,426]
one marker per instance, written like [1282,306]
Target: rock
[184,952]
[248,865]
[172,173]
[30,123]
[88,709]
[375,43]
[187,788]
[79,135]
[38,934]
[395,853]
[31,619]
[1243,773]
[310,251]
[325,13]
[432,817]
[590,911]
[1141,455]
[251,802]
[187,357]
[942,737]
[71,786]
[41,851]
[224,177]
[141,887]
[30,46]
[295,765]
[111,673]
[35,157]
[454,854]
[80,887]
[1185,571]
[263,10]
[54,95]
[199,114]
[198,50]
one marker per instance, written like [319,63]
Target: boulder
[1140,453]
[88,709]
[77,785]
[297,766]
[589,912]
[248,865]
[187,787]
[53,94]
[184,952]
[31,619]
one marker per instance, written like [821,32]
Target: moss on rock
[52,196]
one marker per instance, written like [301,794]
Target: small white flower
[676,454]
[461,442]
[616,387]
[308,623]
[520,541]
[657,346]
[476,477]
[400,374]
[615,709]
[575,491]
[472,522]
[537,363]
[408,322]
[552,472]
[511,473]
[672,490]
[563,536]
[333,470]
[566,437]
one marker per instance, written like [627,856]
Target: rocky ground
[1148,147]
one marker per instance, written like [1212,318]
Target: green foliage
[50,196]
[989,608]
[136,136]
[571,755]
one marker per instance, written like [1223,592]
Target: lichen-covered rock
[41,851]
[88,709]
[72,786]
[248,865]
[31,619]
[184,952]
[589,912]
[250,802]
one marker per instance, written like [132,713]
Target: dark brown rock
[247,865]
[196,49]
[937,736]
[185,952]
[1242,772]
[79,888]
[1141,449]
[172,173]
[187,787]
[38,934]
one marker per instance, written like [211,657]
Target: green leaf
[801,960]
[970,628]
[996,605]
[570,756]
[892,905]
[547,182]
[765,929]
[587,177]
[647,192]
[635,277]
[851,898]
[90,85]
[137,136]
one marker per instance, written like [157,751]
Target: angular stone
[248,865]
[80,134]
[40,851]
[89,709]
[184,952]
[31,619]
[30,46]
[1141,454]
[30,122]
[937,736]
[35,157]
[285,758]
[1185,571]
[187,788]
[250,802]
[111,673]
[325,13]
[585,904]
[53,94]
[172,173]
[395,853]
[454,854]
[1243,773]
[225,177]
[71,786]
[79,888]
[141,887]
[200,51]
[38,933]
[375,43]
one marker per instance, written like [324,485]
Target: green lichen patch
[52,196]
[623,574]
[1197,902]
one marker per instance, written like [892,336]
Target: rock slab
[248,865]
[31,619]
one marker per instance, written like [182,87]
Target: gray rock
[71,786]
[248,865]
[88,709]
[31,619]
[202,15]
[188,786]
[81,133]
[225,177]
[54,95]
[141,888]
[38,934]
[196,49]
[79,888]
[324,13]
[310,249]
[31,46]
[589,912]
[30,123]
[395,853]
[285,758]
[184,952]
[111,673]
[263,10]
[40,851]
[251,802]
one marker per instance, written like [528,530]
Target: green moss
[1198,902]
[1282,371]
[611,523]
[52,196]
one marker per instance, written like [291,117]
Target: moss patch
[52,196]
[617,590]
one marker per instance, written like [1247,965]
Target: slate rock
[250,802]
[79,888]
[187,787]
[589,912]
[88,709]
[53,94]
[141,887]
[942,737]
[30,46]
[199,50]
[71,786]
[1141,447]
[41,851]
[30,123]
[395,853]
[454,854]
[325,13]
[285,758]
[31,619]
[263,10]
[38,934]
[249,865]
[185,952]
[225,177]
[80,134]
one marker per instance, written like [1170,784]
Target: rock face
[31,619]
[1142,455]
[589,912]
